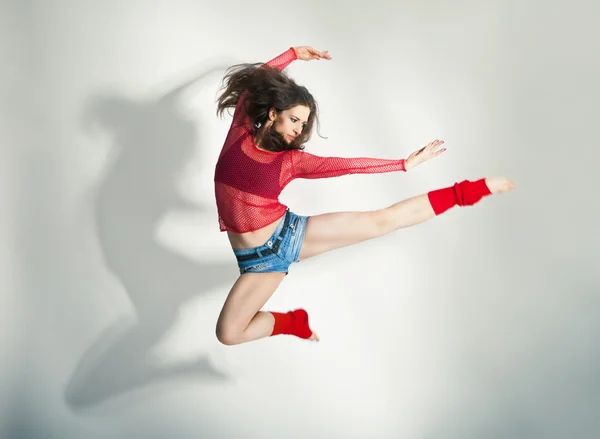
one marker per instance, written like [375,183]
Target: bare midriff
[252,239]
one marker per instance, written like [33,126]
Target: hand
[306,53]
[427,152]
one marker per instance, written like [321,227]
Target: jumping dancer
[273,119]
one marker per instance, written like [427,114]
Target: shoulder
[297,156]
[241,129]
[294,154]
[297,152]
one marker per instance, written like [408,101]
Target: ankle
[292,323]
[465,193]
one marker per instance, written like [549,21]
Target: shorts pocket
[254,268]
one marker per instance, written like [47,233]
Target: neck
[260,134]
[257,139]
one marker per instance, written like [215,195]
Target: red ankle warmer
[465,193]
[292,323]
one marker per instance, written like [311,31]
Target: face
[290,123]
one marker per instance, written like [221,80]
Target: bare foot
[498,185]
[314,337]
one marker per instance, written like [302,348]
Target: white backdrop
[481,323]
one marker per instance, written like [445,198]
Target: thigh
[330,231]
[247,296]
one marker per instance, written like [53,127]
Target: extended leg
[335,230]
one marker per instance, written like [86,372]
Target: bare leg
[240,320]
[335,230]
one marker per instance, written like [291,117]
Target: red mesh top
[248,180]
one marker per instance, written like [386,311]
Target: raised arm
[280,62]
[303,53]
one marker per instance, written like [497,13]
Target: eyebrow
[303,121]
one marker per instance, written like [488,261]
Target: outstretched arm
[306,165]
[422,155]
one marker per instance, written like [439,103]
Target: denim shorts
[280,251]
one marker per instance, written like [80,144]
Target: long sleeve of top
[306,165]
[248,180]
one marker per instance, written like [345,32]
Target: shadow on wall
[153,142]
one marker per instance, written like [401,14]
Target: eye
[294,120]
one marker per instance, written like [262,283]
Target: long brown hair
[266,88]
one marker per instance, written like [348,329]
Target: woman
[263,152]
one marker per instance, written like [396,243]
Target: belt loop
[259,253]
[286,222]
[273,247]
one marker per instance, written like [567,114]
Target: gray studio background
[483,323]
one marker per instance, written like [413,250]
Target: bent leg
[240,320]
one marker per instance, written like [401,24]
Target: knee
[227,335]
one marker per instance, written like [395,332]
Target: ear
[272,113]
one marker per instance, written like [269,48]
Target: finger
[322,54]
[434,145]
[431,144]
